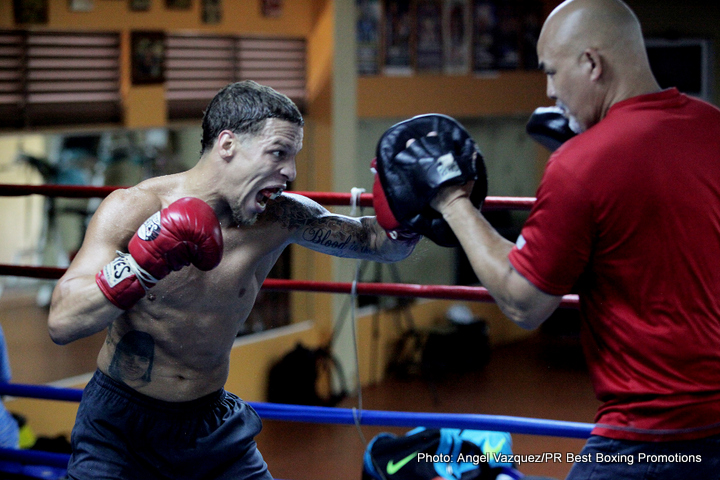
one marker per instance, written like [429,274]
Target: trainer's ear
[227,144]
[593,63]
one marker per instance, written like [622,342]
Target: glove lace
[146,280]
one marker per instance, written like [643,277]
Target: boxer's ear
[227,144]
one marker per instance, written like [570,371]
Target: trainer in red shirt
[628,214]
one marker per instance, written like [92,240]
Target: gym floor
[541,377]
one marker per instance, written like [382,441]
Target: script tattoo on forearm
[338,234]
[342,235]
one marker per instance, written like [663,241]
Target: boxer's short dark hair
[243,107]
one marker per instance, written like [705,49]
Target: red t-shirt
[628,213]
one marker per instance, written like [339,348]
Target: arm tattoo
[338,234]
[288,213]
[319,229]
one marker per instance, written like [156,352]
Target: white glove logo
[150,229]
[447,168]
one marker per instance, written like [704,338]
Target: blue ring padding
[41,391]
[35,457]
[347,416]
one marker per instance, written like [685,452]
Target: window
[198,66]
[11,79]
[53,78]
[276,62]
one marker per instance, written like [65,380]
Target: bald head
[594,54]
[607,25]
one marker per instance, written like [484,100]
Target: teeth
[276,194]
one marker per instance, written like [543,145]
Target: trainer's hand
[450,194]
[415,159]
[186,232]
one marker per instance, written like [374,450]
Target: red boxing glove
[186,232]
[384,215]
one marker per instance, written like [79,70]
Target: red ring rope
[325,198]
[442,292]
[328,198]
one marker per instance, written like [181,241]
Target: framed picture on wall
[148,57]
[211,11]
[398,38]
[429,42]
[139,5]
[30,12]
[271,8]
[367,26]
[456,37]
[484,36]
[508,36]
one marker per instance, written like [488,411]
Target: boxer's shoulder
[134,204]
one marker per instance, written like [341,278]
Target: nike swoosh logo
[393,467]
[487,448]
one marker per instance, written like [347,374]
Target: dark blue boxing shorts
[121,434]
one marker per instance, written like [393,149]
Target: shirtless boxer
[200,245]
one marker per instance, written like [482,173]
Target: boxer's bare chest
[229,290]
[192,317]
[196,314]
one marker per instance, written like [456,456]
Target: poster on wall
[429,56]
[508,36]
[456,36]
[30,12]
[532,19]
[398,37]
[483,35]
[367,31]
[148,57]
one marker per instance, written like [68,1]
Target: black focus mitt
[549,127]
[410,175]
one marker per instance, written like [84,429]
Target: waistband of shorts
[107,383]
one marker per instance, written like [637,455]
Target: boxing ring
[297,413]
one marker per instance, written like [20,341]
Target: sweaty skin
[190,319]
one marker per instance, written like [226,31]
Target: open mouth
[267,194]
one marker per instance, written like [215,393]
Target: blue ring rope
[35,457]
[301,413]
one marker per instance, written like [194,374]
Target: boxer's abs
[174,345]
[174,353]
